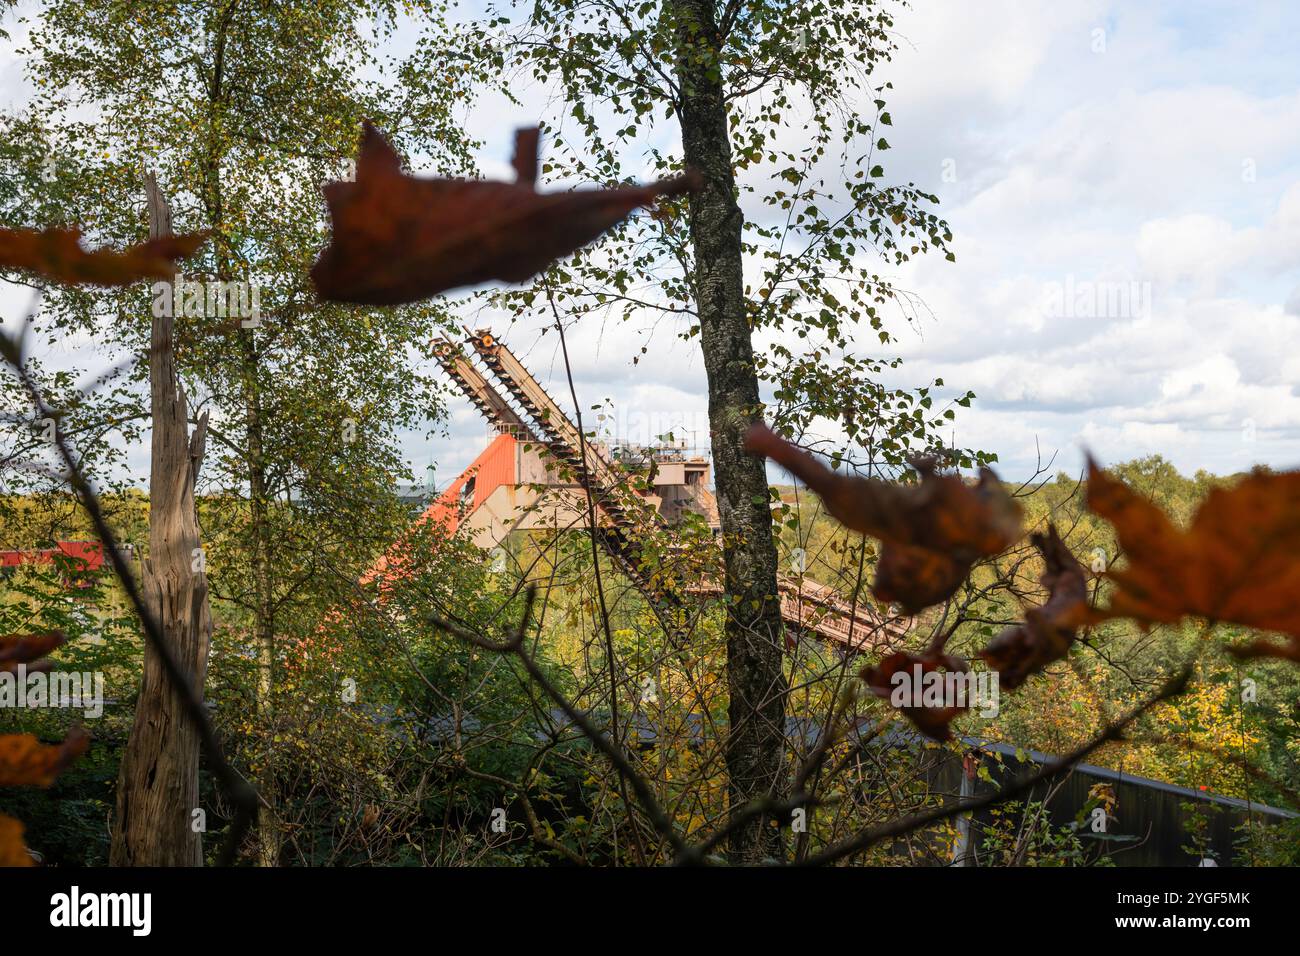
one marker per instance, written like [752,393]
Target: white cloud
[1170,159]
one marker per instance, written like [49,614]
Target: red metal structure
[491,470]
[84,555]
[80,557]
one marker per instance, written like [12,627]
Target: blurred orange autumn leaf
[907,674]
[1238,562]
[1048,631]
[13,852]
[400,238]
[26,649]
[933,532]
[57,254]
[26,762]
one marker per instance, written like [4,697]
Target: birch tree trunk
[756,682]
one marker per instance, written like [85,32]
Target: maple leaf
[57,254]
[26,649]
[13,851]
[1238,561]
[400,238]
[933,531]
[916,577]
[899,672]
[26,762]
[1048,631]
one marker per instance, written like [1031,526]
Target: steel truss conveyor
[805,605]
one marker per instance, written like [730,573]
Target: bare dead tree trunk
[756,681]
[158,783]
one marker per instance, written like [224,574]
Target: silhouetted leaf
[932,531]
[26,762]
[1238,562]
[26,649]
[13,851]
[399,238]
[57,254]
[897,674]
[1047,631]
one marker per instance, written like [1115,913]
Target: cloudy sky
[1123,184]
[1146,147]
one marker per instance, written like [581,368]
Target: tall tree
[245,107]
[755,646]
[771,264]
